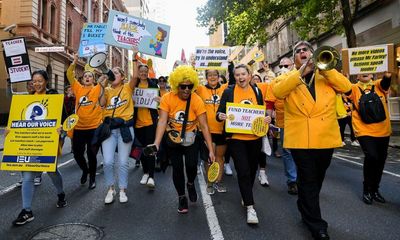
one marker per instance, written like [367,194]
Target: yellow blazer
[311,124]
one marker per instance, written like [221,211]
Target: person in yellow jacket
[373,137]
[311,129]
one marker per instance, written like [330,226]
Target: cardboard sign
[92,39]
[32,143]
[212,58]
[17,60]
[145,97]
[371,59]
[240,117]
[128,31]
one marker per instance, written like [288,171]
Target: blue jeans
[290,166]
[28,187]
[109,146]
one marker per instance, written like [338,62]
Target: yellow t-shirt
[244,96]
[175,107]
[123,104]
[211,99]
[143,114]
[87,106]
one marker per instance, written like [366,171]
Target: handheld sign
[70,122]
[212,58]
[16,59]
[92,39]
[258,127]
[213,171]
[240,118]
[145,97]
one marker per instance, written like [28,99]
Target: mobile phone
[150,150]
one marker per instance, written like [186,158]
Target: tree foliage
[248,19]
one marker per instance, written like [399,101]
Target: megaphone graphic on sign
[99,61]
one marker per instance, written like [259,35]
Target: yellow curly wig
[181,74]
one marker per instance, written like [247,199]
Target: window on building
[53,25]
[69,33]
[43,12]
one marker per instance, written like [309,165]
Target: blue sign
[92,39]
[128,31]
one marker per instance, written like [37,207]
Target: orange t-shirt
[244,96]
[123,104]
[381,129]
[143,114]
[175,107]
[163,91]
[87,106]
[211,98]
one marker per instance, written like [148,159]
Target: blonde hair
[181,74]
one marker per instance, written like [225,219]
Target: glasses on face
[304,49]
[186,86]
[285,66]
[160,81]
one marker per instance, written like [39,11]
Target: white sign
[371,59]
[240,117]
[49,49]
[212,58]
[145,97]
[19,73]
[14,47]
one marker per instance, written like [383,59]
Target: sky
[181,16]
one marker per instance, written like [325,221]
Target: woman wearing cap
[184,81]
[244,148]
[88,109]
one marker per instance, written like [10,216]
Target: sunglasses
[304,49]
[285,66]
[184,86]
[161,81]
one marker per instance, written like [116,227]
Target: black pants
[342,124]
[146,136]
[246,155]
[311,167]
[262,160]
[176,154]
[82,141]
[375,151]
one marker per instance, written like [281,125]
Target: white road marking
[359,164]
[346,156]
[212,220]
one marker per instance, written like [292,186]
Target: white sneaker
[343,143]
[151,183]
[122,197]
[144,179]
[228,169]
[262,177]
[110,196]
[251,215]
[355,143]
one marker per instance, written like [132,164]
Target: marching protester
[311,129]
[40,80]
[211,94]
[90,116]
[145,122]
[345,119]
[277,105]
[162,84]
[181,111]
[371,123]
[118,115]
[244,148]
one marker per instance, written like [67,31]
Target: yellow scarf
[365,85]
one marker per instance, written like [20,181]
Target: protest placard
[212,58]
[240,117]
[16,59]
[371,59]
[145,97]
[92,39]
[128,31]
[32,143]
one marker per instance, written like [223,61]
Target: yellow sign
[258,56]
[32,143]
[240,118]
[70,122]
[258,127]
[213,171]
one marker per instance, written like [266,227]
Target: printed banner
[240,117]
[128,31]
[32,143]
[17,60]
[371,59]
[144,97]
[212,58]
[92,39]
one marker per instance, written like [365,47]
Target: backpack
[370,107]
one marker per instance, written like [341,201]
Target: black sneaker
[292,188]
[23,217]
[92,184]
[84,178]
[192,192]
[61,200]
[183,205]
[137,163]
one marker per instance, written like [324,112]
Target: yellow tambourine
[258,127]
[213,171]
[70,122]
